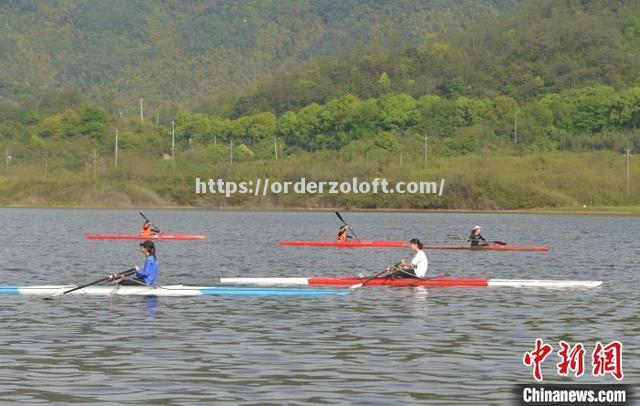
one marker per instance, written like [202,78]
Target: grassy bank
[593,182]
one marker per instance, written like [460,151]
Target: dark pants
[403,274]
[132,282]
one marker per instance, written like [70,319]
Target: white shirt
[421,264]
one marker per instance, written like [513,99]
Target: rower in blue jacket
[148,274]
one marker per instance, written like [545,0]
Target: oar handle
[125,273]
[361,284]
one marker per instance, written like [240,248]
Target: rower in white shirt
[416,268]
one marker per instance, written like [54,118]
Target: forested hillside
[544,46]
[168,51]
[516,104]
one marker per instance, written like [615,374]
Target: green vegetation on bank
[491,180]
[566,152]
[517,106]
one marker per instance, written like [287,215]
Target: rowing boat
[346,244]
[181,237]
[490,247]
[403,244]
[172,290]
[412,282]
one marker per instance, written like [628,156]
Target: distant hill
[115,51]
[541,47]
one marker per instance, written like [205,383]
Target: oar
[345,223]
[105,279]
[455,237]
[361,284]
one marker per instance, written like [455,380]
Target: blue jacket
[150,270]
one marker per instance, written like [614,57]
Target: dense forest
[515,104]
[169,51]
[544,46]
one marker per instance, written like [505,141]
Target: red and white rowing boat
[175,237]
[346,244]
[415,282]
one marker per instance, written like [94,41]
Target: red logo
[572,359]
[536,357]
[608,359]
[604,359]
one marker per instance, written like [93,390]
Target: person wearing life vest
[343,233]
[148,229]
[476,239]
[418,266]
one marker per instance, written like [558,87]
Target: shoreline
[631,211]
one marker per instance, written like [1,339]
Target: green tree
[192,126]
[255,127]
[398,111]
[94,122]
[65,124]
[384,80]
[441,115]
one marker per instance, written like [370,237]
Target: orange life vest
[341,237]
[146,229]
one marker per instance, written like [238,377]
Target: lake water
[378,346]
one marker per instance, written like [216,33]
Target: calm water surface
[376,346]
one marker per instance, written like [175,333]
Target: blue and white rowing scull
[172,290]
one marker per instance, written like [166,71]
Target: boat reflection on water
[147,304]
[151,304]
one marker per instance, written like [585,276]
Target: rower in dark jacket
[476,239]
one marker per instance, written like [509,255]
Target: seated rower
[418,266]
[149,229]
[148,274]
[476,239]
[343,233]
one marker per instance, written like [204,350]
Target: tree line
[554,121]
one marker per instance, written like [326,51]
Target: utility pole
[7,157]
[627,151]
[116,150]
[173,141]
[515,127]
[157,118]
[275,146]
[46,165]
[141,113]
[425,149]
